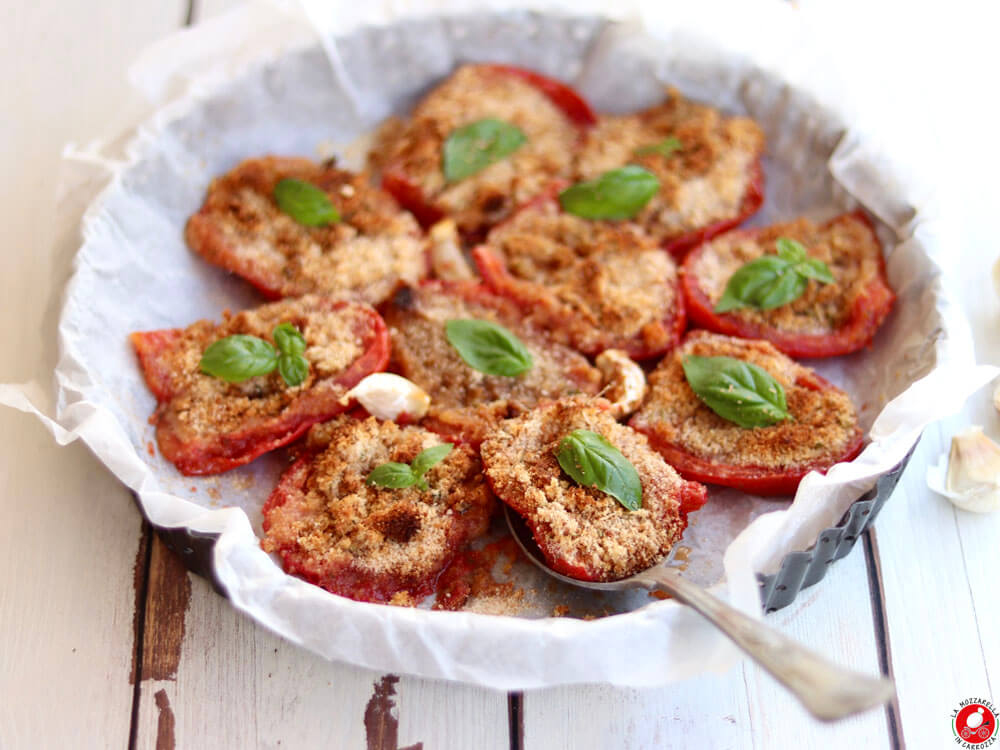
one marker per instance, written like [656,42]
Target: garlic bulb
[972,478]
[389,396]
[624,381]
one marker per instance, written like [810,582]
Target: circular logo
[975,723]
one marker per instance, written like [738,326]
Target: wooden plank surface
[70,532]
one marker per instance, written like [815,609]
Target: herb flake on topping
[473,147]
[591,461]
[488,347]
[240,357]
[396,476]
[773,280]
[617,194]
[664,148]
[738,391]
[305,203]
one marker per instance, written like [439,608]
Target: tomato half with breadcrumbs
[707,163]
[595,285]
[333,525]
[583,531]
[819,428]
[206,424]
[290,227]
[485,140]
[831,315]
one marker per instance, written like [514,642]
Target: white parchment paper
[284,79]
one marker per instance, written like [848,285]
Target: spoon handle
[828,691]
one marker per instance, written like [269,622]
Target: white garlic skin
[624,381]
[972,478]
[388,396]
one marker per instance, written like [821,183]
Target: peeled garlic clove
[972,479]
[447,259]
[389,396]
[624,381]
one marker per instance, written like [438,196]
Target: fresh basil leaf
[618,194]
[750,281]
[305,203]
[395,476]
[738,391]
[475,146]
[787,287]
[592,461]
[288,339]
[665,147]
[430,457]
[814,268]
[488,347]
[790,250]
[239,357]
[294,368]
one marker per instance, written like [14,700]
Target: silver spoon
[828,691]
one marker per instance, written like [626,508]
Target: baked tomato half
[832,317]
[708,165]
[531,126]
[594,285]
[820,430]
[206,425]
[466,402]
[264,223]
[367,542]
[583,531]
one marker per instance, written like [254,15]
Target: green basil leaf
[751,281]
[475,146]
[488,347]
[618,194]
[288,339]
[790,250]
[395,476]
[430,457]
[787,287]
[665,147]
[736,390]
[305,203]
[591,461]
[239,357]
[294,368]
[814,268]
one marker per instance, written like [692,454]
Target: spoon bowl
[827,691]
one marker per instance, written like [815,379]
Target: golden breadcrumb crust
[578,527]
[365,256]
[823,424]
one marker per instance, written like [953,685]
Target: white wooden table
[106,641]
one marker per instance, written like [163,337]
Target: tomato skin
[408,193]
[216,453]
[870,308]
[753,199]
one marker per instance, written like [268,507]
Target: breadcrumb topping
[582,530]
[702,183]
[365,256]
[847,245]
[464,401]
[375,543]
[824,421]
[593,282]
[205,405]
[472,93]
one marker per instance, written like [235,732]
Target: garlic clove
[996,397]
[624,381]
[972,478]
[447,259]
[388,396]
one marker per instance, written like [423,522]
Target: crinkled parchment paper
[316,96]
